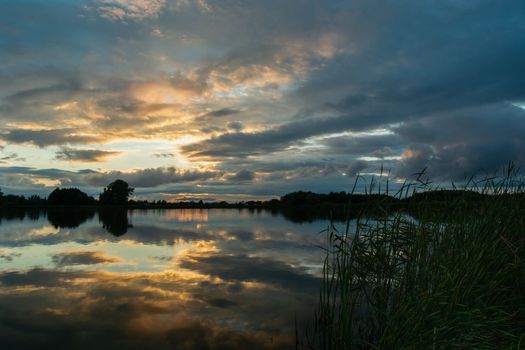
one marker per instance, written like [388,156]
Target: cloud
[84,155]
[242,175]
[278,138]
[17,179]
[39,277]
[134,10]
[301,84]
[222,303]
[223,112]
[164,155]
[478,140]
[242,144]
[71,258]
[43,138]
[156,32]
[356,167]
[257,269]
[11,157]
[362,144]
[237,126]
[151,177]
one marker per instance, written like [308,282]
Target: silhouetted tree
[13,200]
[301,198]
[69,196]
[35,200]
[447,196]
[117,192]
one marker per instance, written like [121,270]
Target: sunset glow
[222,99]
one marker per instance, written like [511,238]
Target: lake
[156,279]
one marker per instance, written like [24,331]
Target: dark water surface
[156,279]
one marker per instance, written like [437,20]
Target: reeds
[447,277]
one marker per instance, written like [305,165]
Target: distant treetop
[69,196]
[116,193]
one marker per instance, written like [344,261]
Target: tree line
[119,191]
[116,193]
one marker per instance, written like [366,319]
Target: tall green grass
[454,278]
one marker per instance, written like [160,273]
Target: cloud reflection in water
[214,280]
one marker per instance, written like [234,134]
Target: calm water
[170,279]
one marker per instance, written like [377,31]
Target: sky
[234,100]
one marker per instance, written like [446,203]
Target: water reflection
[169,279]
[68,218]
[115,221]
[194,215]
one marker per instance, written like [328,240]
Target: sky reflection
[185,279]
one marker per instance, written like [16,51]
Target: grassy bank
[454,278]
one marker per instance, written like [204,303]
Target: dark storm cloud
[237,126]
[304,71]
[43,138]
[362,145]
[277,165]
[221,112]
[242,175]
[84,155]
[124,104]
[472,141]
[459,54]
[462,56]
[46,92]
[152,177]
[356,167]
[58,173]
[222,303]
[242,144]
